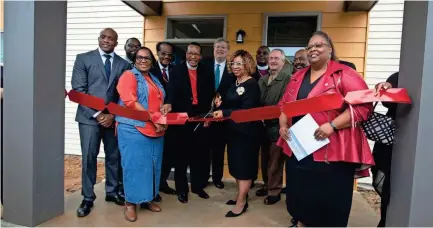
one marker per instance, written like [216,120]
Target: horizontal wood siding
[85,20]
[347,30]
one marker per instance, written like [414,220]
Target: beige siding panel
[383,45]
[85,19]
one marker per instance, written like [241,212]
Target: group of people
[140,155]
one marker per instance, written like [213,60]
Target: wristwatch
[333,126]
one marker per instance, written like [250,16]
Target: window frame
[200,41]
[289,14]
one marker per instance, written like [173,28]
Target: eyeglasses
[193,53]
[236,64]
[145,59]
[131,45]
[315,46]
[274,58]
[165,54]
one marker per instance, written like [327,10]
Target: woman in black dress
[320,186]
[243,138]
[382,154]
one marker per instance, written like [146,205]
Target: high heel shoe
[233,202]
[231,214]
[294,223]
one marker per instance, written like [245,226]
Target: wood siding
[347,30]
[85,20]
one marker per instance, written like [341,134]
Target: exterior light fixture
[240,34]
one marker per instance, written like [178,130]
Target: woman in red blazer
[320,186]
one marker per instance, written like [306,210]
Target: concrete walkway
[197,212]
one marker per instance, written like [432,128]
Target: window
[290,32]
[201,29]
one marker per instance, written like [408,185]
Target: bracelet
[333,126]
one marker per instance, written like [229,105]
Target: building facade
[85,19]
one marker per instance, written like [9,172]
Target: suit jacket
[89,77]
[179,93]
[156,71]
[227,78]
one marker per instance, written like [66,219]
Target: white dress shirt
[103,58]
[166,70]
[222,66]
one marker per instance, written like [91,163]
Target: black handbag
[379,128]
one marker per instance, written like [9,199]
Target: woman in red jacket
[320,186]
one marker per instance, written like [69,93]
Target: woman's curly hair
[248,60]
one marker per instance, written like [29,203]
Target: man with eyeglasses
[162,69]
[131,47]
[190,90]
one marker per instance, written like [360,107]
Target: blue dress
[141,155]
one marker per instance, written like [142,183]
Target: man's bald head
[300,61]
[107,40]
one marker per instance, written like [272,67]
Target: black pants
[168,157]
[193,152]
[218,144]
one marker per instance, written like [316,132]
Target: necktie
[107,66]
[164,74]
[217,77]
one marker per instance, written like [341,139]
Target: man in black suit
[349,64]
[191,90]
[162,69]
[222,81]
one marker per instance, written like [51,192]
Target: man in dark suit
[349,64]
[162,69]
[191,90]
[97,73]
[222,80]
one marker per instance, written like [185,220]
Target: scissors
[212,107]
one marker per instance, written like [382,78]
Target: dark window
[195,28]
[290,31]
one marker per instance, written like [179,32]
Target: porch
[197,212]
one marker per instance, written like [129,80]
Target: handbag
[379,128]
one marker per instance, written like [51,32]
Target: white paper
[302,141]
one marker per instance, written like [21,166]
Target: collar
[190,67]
[162,67]
[262,67]
[221,63]
[102,53]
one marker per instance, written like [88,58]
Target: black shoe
[182,197]
[284,190]
[202,194]
[85,208]
[167,190]
[294,223]
[157,198]
[117,199]
[231,214]
[233,202]
[219,184]
[262,192]
[270,200]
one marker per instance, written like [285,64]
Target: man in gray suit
[97,73]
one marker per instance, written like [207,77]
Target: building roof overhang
[146,8]
[351,6]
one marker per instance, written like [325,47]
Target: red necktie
[164,75]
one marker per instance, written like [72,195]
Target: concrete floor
[197,212]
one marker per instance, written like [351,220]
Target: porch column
[34,110]
[412,163]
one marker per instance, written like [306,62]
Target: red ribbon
[295,108]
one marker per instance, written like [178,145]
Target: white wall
[86,18]
[384,39]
